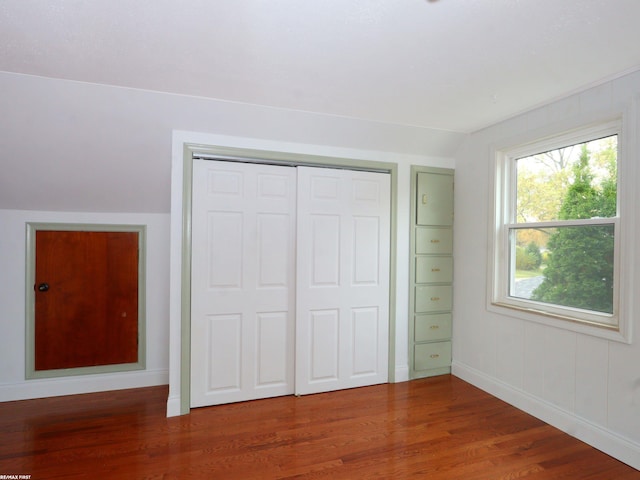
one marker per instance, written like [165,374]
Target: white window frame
[614,326]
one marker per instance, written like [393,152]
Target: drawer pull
[435,299]
[435,269]
[434,327]
[424,199]
[435,241]
[434,355]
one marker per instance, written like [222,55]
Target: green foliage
[539,193]
[581,200]
[545,257]
[533,251]
[609,196]
[579,270]
[529,257]
[544,179]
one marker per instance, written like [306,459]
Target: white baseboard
[55,387]
[598,437]
[173,406]
[402,374]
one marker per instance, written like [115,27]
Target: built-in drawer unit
[434,355]
[438,298]
[432,327]
[434,241]
[431,269]
[431,274]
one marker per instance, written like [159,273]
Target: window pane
[566,266]
[574,182]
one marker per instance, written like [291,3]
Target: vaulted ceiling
[456,65]
[91,90]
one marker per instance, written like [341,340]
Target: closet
[289,280]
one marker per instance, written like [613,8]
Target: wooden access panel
[86,299]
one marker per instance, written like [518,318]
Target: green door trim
[193,151]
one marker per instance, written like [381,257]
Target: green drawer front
[432,355]
[434,269]
[433,299]
[429,328]
[438,241]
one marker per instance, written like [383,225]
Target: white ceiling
[456,65]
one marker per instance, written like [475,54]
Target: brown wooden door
[86,299]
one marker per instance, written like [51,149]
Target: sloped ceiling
[90,90]
[456,65]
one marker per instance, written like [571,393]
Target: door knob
[43,287]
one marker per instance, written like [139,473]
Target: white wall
[73,146]
[13,385]
[80,152]
[585,385]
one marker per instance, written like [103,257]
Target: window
[557,235]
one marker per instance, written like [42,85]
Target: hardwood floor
[438,428]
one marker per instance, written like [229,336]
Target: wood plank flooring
[437,428]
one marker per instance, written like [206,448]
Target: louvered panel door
[342,279]
[243,281]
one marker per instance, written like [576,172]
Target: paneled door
[243,281]
[265,238]
[342,325]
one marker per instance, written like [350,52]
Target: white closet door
[342,279]
[243,282]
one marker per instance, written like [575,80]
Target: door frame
[32,228]
[191,151]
